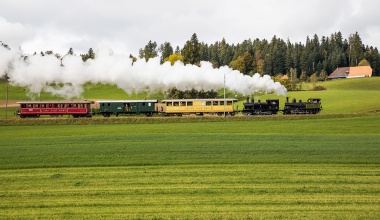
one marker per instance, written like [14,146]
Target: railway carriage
[181,107]
[127,107]
[34,109]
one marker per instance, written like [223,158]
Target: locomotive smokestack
[253,101]
[247,99]
[287,99]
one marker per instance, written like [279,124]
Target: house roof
[351,72]
[340,72]
[284,77]
[360,71]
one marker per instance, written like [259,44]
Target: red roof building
[351,72]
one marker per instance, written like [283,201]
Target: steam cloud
[38,73]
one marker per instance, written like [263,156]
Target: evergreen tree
[166,50]
[71,51]
[149,51]
[355,49]
[191,51]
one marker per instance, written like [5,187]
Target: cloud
[127,25]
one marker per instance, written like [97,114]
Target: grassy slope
[353,96]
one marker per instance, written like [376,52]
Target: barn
[351,72]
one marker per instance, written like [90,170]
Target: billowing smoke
[66,76]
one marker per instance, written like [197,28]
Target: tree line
[317,57]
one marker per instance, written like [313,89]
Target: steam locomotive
[169,107]
[271,106]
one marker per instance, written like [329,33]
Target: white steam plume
[45,72]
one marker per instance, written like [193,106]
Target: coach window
[82,105]
[189,103]
[23,105]
[229,102]
[208,103]
[30,105]
[43,105]
[169,104]
[36,105]
[55,105]
[182,103]
[215,103]
[221,102]
[50,105]
[176,103]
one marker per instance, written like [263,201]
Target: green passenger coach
[132,107]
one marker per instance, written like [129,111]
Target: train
[167,107]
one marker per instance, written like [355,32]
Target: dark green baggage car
[131,107]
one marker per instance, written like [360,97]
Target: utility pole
[224,88]
[6,101]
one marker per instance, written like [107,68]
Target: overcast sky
[126,25]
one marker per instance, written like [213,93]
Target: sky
[126,25]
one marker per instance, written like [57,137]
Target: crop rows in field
[194,191]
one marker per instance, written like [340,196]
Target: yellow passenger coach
[199,106]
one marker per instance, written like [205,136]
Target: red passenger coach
[35,109]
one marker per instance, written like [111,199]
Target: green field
[324,166]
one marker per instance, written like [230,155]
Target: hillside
[340,97]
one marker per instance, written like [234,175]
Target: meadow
[324,166]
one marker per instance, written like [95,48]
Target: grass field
[321,167]
[324,166]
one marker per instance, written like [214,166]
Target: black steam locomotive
[311,106]
[271,107]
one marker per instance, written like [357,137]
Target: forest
[319,56]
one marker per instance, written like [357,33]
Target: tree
[243,63]
[322,75]
[191,51]
[355,49]
[166,50]
[293,78]
[149,51]
[133,58]
[373,57]
[364,62]
[90,55]
[226,53]
[71,51]
[174,58]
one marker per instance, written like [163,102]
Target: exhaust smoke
[67,75]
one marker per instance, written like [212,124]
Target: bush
[319,88]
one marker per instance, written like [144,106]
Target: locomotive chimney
[253,100]
[247,99]
[287,99]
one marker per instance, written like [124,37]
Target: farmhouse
[351,72]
